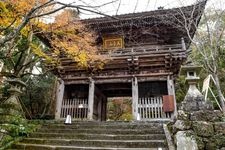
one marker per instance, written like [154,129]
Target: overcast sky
[130,6]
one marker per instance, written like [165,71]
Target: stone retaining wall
[203,130]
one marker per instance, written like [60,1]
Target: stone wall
[203,130]
[198,125]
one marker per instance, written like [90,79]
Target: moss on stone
[5,139]
[12,124]
[202,128]
[200,142]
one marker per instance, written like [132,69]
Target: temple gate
[146,51]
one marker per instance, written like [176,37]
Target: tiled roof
[167,24]
[198,7]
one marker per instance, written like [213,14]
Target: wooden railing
[141,50]
[151,108]
[77,108]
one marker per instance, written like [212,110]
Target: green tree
[208,45]
[21,43]
[22,49]
[119,109]
[40,96]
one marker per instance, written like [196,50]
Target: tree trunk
[219,91]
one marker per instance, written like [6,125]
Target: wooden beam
[117,80]
[121,76]
[70,82]
[130,76]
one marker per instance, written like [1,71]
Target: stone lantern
[192,73]
[16,88]
[194,100]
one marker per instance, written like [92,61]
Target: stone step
[89,135]
[54,147]
[104,126]
[98,143]
[54,122]
[98,136]
[103,131]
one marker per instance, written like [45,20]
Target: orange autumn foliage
[21,7]
[69,35]
[66,34]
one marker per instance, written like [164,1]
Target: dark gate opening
[117,101]
[75,102]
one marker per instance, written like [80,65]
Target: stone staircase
[96,135]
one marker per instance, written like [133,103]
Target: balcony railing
[142,50]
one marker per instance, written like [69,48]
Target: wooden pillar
[59,98]
[99,96]
[134,97]
[104,109]
[171,91]
[100,109]
[91,95]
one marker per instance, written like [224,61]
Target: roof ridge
[129,15]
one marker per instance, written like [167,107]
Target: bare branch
[136,4]
[117,10]
[97,6]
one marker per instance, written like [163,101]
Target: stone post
[59,98]
[91,95]
[134,97]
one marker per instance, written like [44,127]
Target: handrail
[141,49]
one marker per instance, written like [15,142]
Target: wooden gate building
[146,51]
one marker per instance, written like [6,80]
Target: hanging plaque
[113,42]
